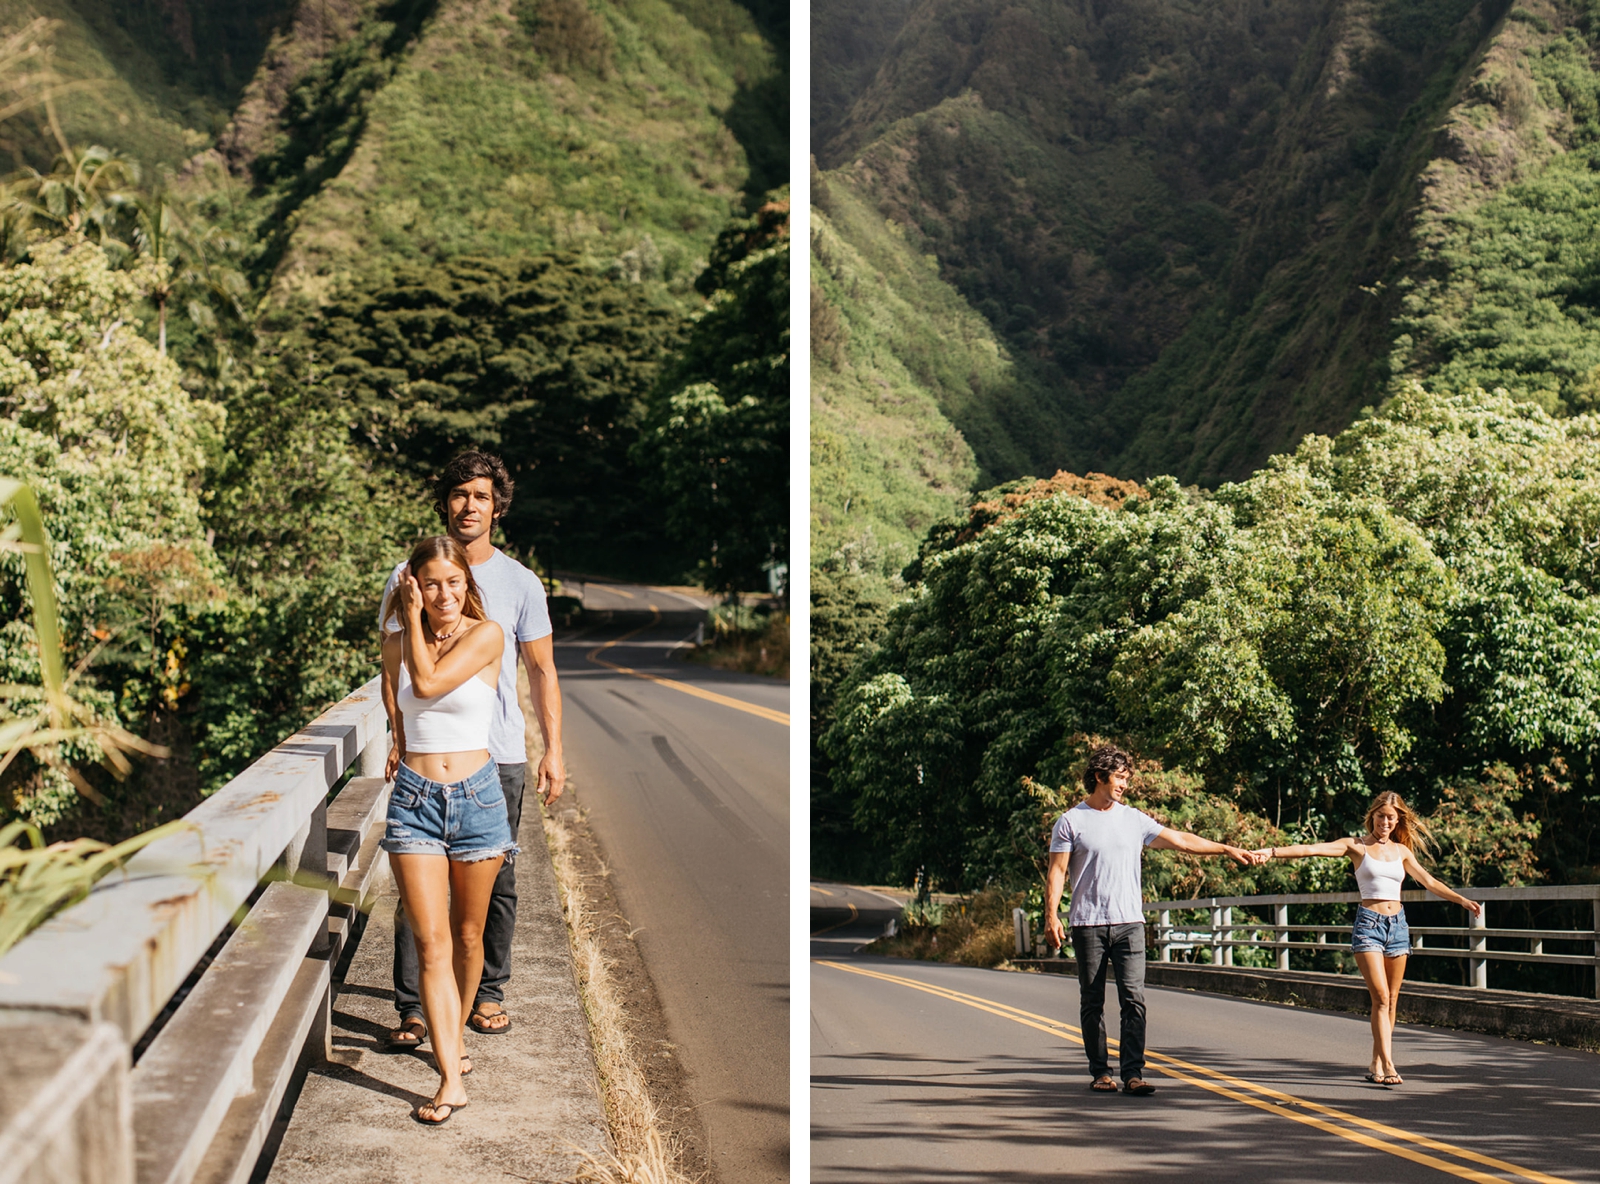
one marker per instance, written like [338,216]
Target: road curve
[924,1073]
[684,773]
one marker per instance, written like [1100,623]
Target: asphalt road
[924,1073]
[686,783]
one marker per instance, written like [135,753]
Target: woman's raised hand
[410,593]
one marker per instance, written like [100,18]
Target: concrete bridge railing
[1228,925]
[152,1031]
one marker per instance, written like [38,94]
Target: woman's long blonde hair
[439,546]
[1410,829]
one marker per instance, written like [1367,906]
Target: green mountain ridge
[362,134]
[1202,232]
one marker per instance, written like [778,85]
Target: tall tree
[717,437]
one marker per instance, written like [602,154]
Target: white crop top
[456,721]
[1379,879]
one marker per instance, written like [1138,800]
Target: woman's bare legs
[1383,977]
[471,885]
[446,903]
[1395,968]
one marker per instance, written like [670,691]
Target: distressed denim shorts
[465,820]
[1374,932]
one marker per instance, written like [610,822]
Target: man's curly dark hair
[469,466]
[1104,760]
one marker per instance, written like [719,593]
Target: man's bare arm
[544,688]
[397,728]
[1182,840]
[1055,882]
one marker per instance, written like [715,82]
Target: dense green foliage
[1204,233]
[402,235]
[538,360]
[716,442]
[1410,606]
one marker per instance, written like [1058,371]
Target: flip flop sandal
[1104,1085]
[449,1109]
[1394,1079]
[412,1033]
[1138,1087]
[1375,1078]
[476,1021]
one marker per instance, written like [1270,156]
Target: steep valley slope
[1195,233]
[343,137]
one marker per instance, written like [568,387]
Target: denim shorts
[1376,933]
[465,820]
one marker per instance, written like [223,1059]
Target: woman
[1382,857]
[447,830]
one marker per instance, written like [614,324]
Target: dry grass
[763,650]
[642,1154]
[973,932]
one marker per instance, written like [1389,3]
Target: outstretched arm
[1182,840]
[1302,850]
[1055,881]
[1438,888]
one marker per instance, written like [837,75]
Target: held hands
[1243,857]
[391,763]
[1475,907]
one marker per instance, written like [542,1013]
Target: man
[1099,843]
[470,496]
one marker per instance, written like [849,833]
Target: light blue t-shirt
[1105,852]
[514,598]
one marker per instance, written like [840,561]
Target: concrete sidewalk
[534,1092]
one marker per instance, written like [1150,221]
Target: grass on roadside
[641,1153]
[973,932]
[749,639]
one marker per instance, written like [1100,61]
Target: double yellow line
[1376,1135]
[777,717]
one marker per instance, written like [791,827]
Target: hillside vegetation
[1203,239]
[1211,230]
[265,266]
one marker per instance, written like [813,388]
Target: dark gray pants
[1119,948]
[498,929]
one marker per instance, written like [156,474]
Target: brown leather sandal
[412,1033]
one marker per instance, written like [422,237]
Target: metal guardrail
[1227,932]
[200,1103]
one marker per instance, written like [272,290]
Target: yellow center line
[1271,1100]
[824,891]
[777,717]
[854,913]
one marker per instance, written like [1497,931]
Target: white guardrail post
[1019,923]
[1479,942]
[1280,919]
[1164,934]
